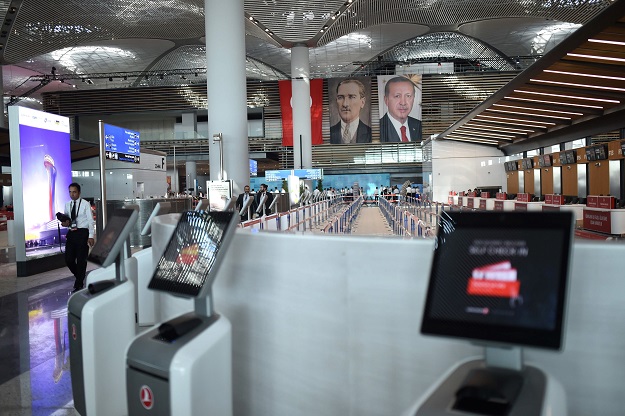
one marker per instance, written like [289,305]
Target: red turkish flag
[316,110]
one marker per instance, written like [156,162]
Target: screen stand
[504,357]
[204,305]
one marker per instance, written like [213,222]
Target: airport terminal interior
[332,294]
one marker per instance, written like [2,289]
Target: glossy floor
[34,371]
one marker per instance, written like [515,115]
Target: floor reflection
[34,343]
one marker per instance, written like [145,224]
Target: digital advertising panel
[121,144]
[42,172]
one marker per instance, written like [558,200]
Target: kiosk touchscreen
[499,280]
[184,366]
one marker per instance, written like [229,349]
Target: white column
[2,120]
[189,125]
[300,82]
[226,88]
[191,169]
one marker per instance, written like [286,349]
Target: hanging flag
[316,111]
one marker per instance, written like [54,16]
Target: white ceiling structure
[95,44]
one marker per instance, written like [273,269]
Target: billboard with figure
[350,110]
[400,108]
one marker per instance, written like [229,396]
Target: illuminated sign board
[121,144]
[253,167]
[278,175]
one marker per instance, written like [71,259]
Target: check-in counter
[528,206]
[577,209]
[486,204]
[507,205]
[609,221]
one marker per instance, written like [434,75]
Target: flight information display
[278,175]
[121,144]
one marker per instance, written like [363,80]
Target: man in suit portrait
[396,125]
[242,201]
[350,99]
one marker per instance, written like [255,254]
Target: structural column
[191,169]
[300,85]
[2,121]
[189,125]
[227,92]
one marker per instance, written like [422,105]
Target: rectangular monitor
[190,262]
[570,157]
[590,154]
[508,281]
[541,162]
[113,237]
[506,166]
[562,157]
[601,152]
[547,160]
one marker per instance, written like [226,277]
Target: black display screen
[109,244]
[547,160]
[507,280]
[562,158]
[191,259]
[570,157]
[590,153]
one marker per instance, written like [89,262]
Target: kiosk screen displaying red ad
[500,277]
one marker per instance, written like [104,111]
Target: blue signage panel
[253,167]
[121,144]
[277,175]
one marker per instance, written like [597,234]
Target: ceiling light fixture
[607,42]
[539,109]
[498,128]
[110,78]
[579,74]
[575,97]
[481,133]
[507,122]
[572,84]
[519,119]
[554,102]
[599,58]
[528,114]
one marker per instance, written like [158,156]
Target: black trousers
[76,252]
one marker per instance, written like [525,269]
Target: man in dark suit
[242,201]
[396,125]
[350,99]
[263,209]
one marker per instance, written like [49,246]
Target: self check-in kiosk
[184,366]
[101,319]
[499,280]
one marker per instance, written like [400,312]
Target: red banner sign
[549,199]
[498,206]
[551,208]
[606,202]
[520,206]
[592,201]
[316,111]
[483,204]
[598,221]
[523,197]
[470,202]
[501,196]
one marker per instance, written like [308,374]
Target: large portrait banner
[400,107]
[350,110]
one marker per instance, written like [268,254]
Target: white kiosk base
[457,393]
[99,336]
[182,375]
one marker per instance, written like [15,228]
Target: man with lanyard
[79,235]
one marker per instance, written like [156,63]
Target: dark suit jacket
[268,201]
[363,133]
[389,134]
[240,203]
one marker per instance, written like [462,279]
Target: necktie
[73,210]
[404,138]
[346,136]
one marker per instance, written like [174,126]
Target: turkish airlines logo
[147,397]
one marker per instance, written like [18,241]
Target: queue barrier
[342,222]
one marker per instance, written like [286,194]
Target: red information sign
[450,200]
[558,199]
[501,196]
[598,221]
[485,194]
[549,199]
[525,197]
[483,204]
[551,208]
[147,397]
[460,201]
[606,202]
[592,201]
[470,202]
[498,206]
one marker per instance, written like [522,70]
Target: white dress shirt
[84,218]
[397,125]
[353,128]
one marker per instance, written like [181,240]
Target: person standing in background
[79,236]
